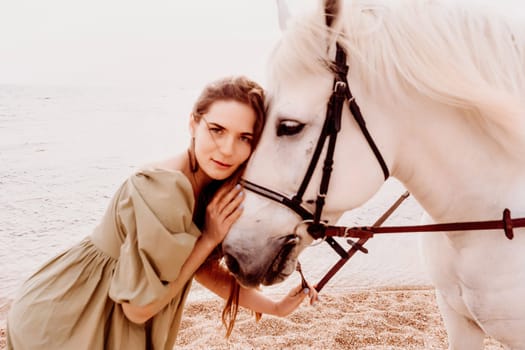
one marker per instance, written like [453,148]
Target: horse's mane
[450,52]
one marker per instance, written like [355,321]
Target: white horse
[441,87]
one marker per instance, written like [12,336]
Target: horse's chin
[283,265]
[271,279]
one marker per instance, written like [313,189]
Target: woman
[124,287]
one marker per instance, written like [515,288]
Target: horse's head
[263,246]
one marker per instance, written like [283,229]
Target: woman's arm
[221,213]
[140,314]
[217,279]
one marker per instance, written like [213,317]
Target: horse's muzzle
[270,271]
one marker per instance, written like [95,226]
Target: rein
[506,223]
[364,233]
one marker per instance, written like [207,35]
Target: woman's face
[223,138]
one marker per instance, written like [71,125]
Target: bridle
[315,226]
[331,127]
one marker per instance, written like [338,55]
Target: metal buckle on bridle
[353,243]
[311,228]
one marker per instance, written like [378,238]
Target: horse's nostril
[232,264]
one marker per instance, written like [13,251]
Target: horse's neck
[453,168]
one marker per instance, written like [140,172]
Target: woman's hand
[294,298]
[223,210]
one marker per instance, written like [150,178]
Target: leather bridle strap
[277,197]
[365,233]
[296,207]
[330,130]
[359,245]
[506,223]
[341,69]
[331,127]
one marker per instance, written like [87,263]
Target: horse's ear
[331,10]
[283,13]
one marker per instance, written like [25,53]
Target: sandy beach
[384,318]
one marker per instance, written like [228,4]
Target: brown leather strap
[507,224]
[366,232]
[359,244]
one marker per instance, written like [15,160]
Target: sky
[133,42]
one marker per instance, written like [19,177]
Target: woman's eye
[246,139]
[216,130]
[289,127]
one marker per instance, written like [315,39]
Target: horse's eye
[289,127]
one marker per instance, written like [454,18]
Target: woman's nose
[228,146]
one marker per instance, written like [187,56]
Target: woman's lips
[221,164]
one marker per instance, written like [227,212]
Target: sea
[64,151]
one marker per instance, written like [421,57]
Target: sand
[385,318]
[378,319]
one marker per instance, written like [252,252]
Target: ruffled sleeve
[154,214]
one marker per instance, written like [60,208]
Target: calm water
[64,152]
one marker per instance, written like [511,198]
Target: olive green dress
[145,236]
